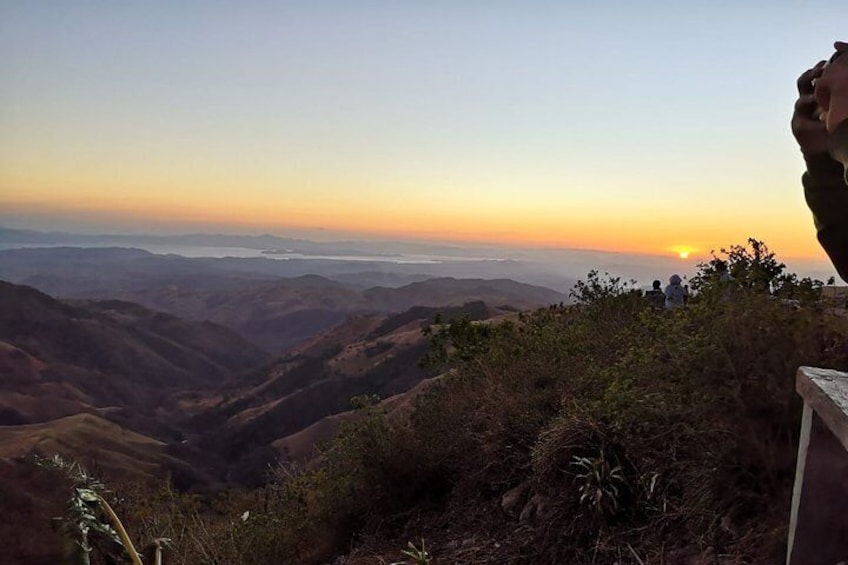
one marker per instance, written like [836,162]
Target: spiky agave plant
[87,508]
[418,556]
[599,483]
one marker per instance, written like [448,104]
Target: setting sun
[682,251]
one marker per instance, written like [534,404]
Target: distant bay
[198,251]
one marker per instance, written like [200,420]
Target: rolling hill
[212,398]
[61,358]
[369,355]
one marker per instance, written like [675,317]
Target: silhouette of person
[676,294]
[655,296]
[724,276]
[726,282]
[820,126]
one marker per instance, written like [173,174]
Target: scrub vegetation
[609,431]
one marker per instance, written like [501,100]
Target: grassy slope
[367,355]
[686,421]
[91,440]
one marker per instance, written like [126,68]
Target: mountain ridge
[275,313]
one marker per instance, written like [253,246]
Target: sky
[641,127]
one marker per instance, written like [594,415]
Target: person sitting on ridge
[820,126]
[675,293]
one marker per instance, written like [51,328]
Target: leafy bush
[755,267]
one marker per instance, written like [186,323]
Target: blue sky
[651,124]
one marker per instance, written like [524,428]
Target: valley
[151,366]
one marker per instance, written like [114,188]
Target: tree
[595,289]
[754,267]
[459,339]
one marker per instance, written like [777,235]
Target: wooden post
[818,527]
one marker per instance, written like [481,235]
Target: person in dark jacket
[820,125]
[655,296]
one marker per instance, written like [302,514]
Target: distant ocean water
[197,251]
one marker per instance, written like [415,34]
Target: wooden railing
[818,527]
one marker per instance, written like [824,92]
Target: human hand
[831,89]
[809,131]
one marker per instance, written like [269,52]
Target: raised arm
[831,92]
[824,183]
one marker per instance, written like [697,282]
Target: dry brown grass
[96,442]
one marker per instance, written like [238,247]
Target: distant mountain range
[555,269]
[248,295]
[394,263]
[265,242]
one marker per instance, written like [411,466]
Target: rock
[536,510]
[513,499]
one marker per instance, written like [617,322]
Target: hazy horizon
[550,266]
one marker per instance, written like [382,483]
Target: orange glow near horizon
[507,209]
[473,209]
[615,231]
